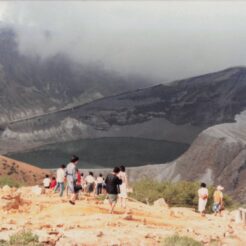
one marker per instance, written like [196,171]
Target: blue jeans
[61,187]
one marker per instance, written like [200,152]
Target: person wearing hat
[218,200]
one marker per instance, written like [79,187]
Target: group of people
[69,178]
[218,203]
[114,185]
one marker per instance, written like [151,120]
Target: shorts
[112,198]
[216,207]
[77,188]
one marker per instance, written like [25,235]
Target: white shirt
[60,175]
[100,180]
[46,182]
[90,179]
[123,177]
[202,192]
[71,172]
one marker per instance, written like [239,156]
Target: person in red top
[78,182]
[53,183]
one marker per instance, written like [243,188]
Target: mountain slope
[175,112]
[218,156]
[20,171]
[32,86]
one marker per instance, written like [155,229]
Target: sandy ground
[56,222]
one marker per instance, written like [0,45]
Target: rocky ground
[56,222]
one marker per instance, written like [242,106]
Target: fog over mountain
[161,40]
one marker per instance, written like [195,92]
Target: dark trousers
[99,189]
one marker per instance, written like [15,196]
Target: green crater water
[104,152]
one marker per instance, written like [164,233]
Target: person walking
[203,198]
[123,187]
[71,178]
[60,178]
[112,182]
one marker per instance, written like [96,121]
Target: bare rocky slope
[177,112]
[217,156]
[21,172]
[89,223]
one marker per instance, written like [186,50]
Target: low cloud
[162,40]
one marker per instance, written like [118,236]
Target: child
[53,183]
[46,182]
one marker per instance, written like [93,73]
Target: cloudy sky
[165,40]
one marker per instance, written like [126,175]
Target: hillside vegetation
[181,194]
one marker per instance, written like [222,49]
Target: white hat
[219,187]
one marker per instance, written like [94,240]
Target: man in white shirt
[46,182]
[60,177]
[99,184]
[90,183]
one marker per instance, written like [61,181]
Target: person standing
[203,198]
[218,200]
[71,178]
[60,178]
[123,187]
[112,187]
[82,180]
[90,183]
[99,184]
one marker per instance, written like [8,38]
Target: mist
[163,40]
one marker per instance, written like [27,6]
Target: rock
[60,225]
[129,211]
[190,230]
[15,201]
[36,190]
[160,203]
[6,188]
[128,217]
[150,235]
[3,229]
[66,242]
[12,222]
[100,234]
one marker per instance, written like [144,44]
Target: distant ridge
[20,171]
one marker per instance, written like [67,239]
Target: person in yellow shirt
[218,200]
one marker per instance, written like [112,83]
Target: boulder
[160,203]
[36,190]
[6,188]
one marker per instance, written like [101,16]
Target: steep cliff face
[217,156]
